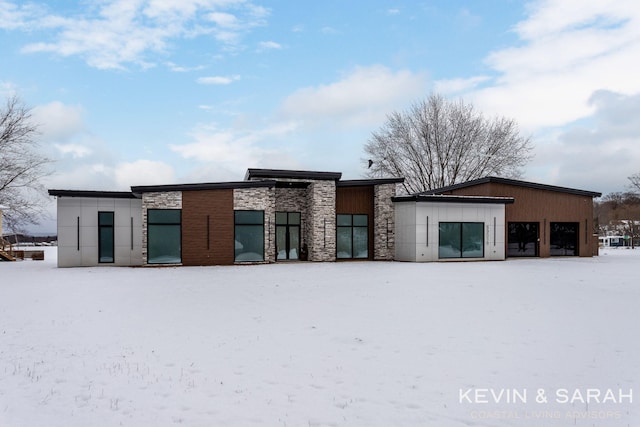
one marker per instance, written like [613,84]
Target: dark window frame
[151,223]
[461,239]
[352,227]
[522,233]
[101,227]
[559,242]
[248,224]
[288,224]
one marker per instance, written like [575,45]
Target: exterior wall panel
[543,206]
[207,227]
[405,223]
[78,231]
[417,226]
[358,200]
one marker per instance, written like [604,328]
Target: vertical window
[461,240]
[563,237]
[105,237]
[249,235]
[288,235]
[352,236]
[523,239]
[164,236]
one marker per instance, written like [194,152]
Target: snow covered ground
[332,344]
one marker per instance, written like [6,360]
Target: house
[544,220]
[276,215]
[450,228]
[272,215]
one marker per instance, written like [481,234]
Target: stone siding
[322,221]
[384,222]
[164,200]
[260,199]
[295,200]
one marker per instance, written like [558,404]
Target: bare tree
[439,142]
[22,166]
[635,182]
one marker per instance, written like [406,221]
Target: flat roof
[202,186]
[365,182]
[515,182]
[96,194]
[291,174]
[449,198]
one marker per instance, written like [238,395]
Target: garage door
[564,239]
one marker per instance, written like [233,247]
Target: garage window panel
[460,240]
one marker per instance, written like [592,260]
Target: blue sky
[135,92]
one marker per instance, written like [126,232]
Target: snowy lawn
[333,344]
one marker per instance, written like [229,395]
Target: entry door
[287,235]
[523,239]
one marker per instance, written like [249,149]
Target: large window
[105,237]
[164,236]
[352,236]
[522,239]
[461,240]
[249,235]
[288,235]
[564,239]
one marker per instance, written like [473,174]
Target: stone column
[322,221]
[384,222]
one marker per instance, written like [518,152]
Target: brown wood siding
[216,208]
[544,207]
[357,200]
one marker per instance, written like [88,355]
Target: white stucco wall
[405,223]
[127,239]
[417,228]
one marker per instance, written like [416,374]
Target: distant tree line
[618,213]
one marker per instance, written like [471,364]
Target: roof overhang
[514,182]
[291,174]
[368,182]
[94,194]
[437,198]
[201,186]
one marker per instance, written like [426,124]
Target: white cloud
[114,33]
[76,151]
[181,69]
[329,30]
[58,122]
[569,50]
[224,20]
[452,86]
[269,45]
[143,172]
[598,155]
[363,96]
[393,11]
[218,80]
[233,149]
[16,16]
